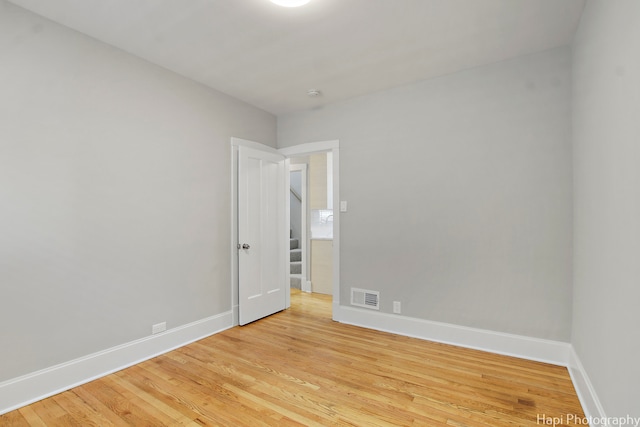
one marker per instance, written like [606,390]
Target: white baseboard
[236,315]
[554,352]
[586,393]
[306,285]
[35,386]
[30,388]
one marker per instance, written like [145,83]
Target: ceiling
[269,56]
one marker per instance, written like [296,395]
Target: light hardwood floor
[300,368]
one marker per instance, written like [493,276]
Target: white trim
[336,226]
[306,286]
[38,385]
[309,147]
[234,233]
[286,226]
[329,174]
[235,310]
[584,389]
[554,352]
[541,350]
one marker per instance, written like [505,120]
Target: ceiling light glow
[290,3]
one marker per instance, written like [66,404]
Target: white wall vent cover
[365,298]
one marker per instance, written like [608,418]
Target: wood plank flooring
[300,368]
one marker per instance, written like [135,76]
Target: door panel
[261,226]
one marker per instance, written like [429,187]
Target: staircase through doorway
[295,260]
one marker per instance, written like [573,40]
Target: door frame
[294,151]
[332,146]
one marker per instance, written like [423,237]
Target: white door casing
[262,233]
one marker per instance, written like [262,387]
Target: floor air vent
[365,298]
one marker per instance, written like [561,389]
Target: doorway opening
[311,223]
[260,161]
[319,254]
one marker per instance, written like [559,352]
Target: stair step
[295,255]
[296,268]
[296,282]
[293,244]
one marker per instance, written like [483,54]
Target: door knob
[245,246]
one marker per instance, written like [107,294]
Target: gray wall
[606,129]
[459,192]
[114,194]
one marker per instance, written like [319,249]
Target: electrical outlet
[158,327]
[397,307]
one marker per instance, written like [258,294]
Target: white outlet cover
[397,307]
[159,327]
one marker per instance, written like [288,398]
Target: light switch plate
[343,206]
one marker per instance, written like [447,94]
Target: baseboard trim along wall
[30,388]
[540,350]
[35,386]
[586,393]
[554,352]
[236,315]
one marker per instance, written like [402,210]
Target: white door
[262,234]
